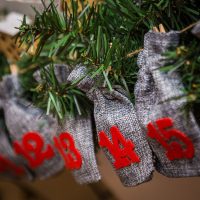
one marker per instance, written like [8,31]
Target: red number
[66,147]
[7,165]
[164,132]
[32,149]
[123,156]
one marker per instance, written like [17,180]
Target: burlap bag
[22,117]
[80,128]
[115,109]
[196,30]
[159,95]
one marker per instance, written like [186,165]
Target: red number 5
[164,132]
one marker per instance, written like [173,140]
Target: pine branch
[101,36]
[186,60]
[63,99]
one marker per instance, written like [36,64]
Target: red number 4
[163,132]
[121,149]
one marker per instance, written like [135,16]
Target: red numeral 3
[123,156]
[162,131]
[32,149]
[66,147]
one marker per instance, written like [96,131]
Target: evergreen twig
[102,36]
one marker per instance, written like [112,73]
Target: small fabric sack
[196,30]
[80,129]
[31,131]
[173,135]
[119,133]
[77,131]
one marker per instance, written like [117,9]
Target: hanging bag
[174,135]
[30,130]
[119,133]
[76,135]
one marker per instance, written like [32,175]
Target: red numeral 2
[32,149]
[7,165]
[123,156]
[162,131]
[66,147]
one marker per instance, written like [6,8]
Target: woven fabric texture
[159,94]
[115,109]
[196,30]
[80,128]
[22,117]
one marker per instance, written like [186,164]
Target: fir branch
[63,99]
[101,36]
[186,61]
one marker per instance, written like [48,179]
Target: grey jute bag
[80,128]
[114,109]
[22,117]
[196,30]
[159,94]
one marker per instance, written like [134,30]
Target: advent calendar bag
[196,30]
[77,131]
[119,133]
[80,130]
[172,133]
[30,130]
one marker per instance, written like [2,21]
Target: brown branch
[189,27]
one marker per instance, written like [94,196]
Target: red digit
[123,156]
[164,133]
[32,149]
[7,165]
[66,147]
